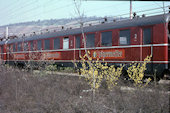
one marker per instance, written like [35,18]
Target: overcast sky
[15,11]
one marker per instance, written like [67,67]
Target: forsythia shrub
[90,70]
[136,72]
[112,75]
[95,71]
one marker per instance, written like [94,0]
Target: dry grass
[21,92]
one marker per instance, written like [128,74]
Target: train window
[19,47]
[146,35]
[47,44]
[31,46]
[9,48]
[39,45]
[124,37]
[2,49]
[78,42]
[57,43]
[106,38]
[14,48]
[26,46]
[66,43]
[90,40]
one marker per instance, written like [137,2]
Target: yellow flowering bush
[112,75]
[136,72]
[95,71]
[91,71]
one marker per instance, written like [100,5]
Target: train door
[1,52]
[77,46]
[66,43]
[169,45]
[147,46]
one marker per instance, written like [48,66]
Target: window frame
[151,33]
[10,48]
[44,43]
[24,48]
[68,42]
[125,29]
[101,37]
[53,43]
[76,41]
[41,48]
[19,44]
[94,39]
[2,49]
[30,48]
[14,47]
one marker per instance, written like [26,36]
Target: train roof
[141,21]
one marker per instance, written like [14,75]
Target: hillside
[53,24]
[35,26]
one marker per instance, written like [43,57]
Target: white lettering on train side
[19,56]
[52,55]
[103,54]
[110,54]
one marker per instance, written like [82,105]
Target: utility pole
[130,9]
[163,7]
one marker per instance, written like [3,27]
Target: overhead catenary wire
[8,7]
[45,12]
[27,4]
[32,9]
[27,12]
[18,11]
[118,15]
[153,13]
[100,19]
[49,11]
[14,9]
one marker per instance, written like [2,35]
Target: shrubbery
[22,92]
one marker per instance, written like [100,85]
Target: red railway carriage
[120,42]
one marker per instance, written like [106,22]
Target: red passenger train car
[118,42]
